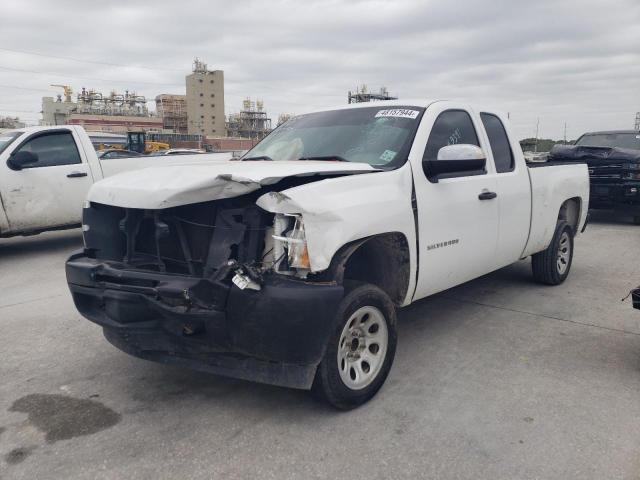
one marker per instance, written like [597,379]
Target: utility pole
[565,133]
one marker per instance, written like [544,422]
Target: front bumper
[276,335]
[622,197]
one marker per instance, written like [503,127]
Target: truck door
[49,192]
[513,189]
[457,216]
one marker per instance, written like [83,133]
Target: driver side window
[52,149]
[450,128]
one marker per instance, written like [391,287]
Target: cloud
[561,61]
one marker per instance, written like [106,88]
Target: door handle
[77,174]
[487,195]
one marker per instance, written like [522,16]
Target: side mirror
[456,159]
[18,160]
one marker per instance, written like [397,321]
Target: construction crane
[67,91]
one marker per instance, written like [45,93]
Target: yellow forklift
[137,142]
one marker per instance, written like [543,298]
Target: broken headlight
[85,227]
[291,242]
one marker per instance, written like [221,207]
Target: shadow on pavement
[44,243]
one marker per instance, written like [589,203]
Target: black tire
[328,384]
[546,265]
[636,220]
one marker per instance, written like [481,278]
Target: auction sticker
[387,155]
[398,112]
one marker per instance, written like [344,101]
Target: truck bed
[549,187]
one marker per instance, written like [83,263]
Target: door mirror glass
[18,160]
[454,160]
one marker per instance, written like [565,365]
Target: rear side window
[450,128]
[52,149]
[502,154]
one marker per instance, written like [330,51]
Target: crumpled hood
[175,185]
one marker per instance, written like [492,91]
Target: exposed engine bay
[220,242]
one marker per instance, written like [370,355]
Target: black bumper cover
[277,335]
[622,197]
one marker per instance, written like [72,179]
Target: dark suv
[613,159]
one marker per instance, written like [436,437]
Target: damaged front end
[218,286]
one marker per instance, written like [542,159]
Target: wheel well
[382,260]
[570,212]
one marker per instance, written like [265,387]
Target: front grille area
[606,172]
[195,240]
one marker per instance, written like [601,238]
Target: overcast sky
[560,61]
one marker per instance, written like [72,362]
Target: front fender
[341,210]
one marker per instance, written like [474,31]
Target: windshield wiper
[326,157]
[259,157]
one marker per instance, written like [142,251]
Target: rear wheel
[360,351]
[552,265]
[636,219]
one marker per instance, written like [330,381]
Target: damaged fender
[342,210]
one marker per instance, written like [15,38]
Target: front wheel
[636,219]
[361,349]
[552,265]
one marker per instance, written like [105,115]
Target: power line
[95,62]
[25,88]
[94,79]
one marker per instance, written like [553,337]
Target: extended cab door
[513,189]
[49,192]
[457,224]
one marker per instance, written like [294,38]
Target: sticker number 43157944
[398,112]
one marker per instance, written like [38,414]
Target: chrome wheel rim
[362,347]
[564,253]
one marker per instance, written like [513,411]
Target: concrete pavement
[499,378]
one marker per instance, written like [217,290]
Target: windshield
[619,140]
[380,136]
[6,139]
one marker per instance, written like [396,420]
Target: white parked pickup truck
[287,267]
[46,172]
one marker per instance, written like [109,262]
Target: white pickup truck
[46,172]
[287,267]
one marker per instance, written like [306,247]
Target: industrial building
[251,122]
[205,101]
[362,94]
[115,124]
[173,111]
[56,112]
[115,112]
[196,119]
